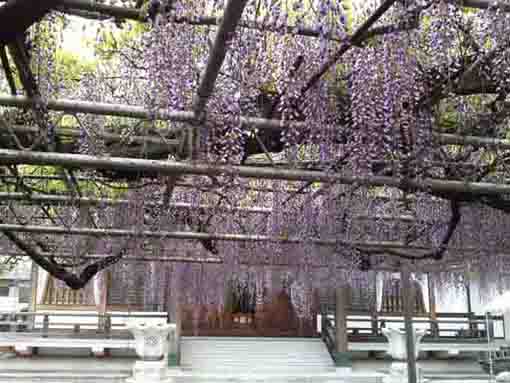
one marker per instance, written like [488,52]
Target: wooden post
[468,297]
[374,312]
[342,359]
[103,303]
[107,325]
[178,325]
[473,326]
[432,305]
[407,295]
[46,326]
[34,277]
[174,316]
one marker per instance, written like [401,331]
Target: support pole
[34,280]
[192,235]
[231,17]
[407,294]
[19,157]
[140,112]
[432,305]
[473,324]
[342,295]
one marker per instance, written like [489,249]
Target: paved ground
[430,367]
[52,369]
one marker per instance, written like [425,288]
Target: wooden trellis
[226,25]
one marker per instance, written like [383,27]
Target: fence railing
[109,325]
[451,327]
[328,334]
[76,322]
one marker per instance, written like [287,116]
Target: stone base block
[98,352]
[23,350]
[343,371]
[398,374]
[343,359]
[172,359]
[150,372]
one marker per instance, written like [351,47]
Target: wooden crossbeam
[444,187]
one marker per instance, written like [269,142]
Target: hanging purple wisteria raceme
[424,68]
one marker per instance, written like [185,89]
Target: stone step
[63,377]
[257,355]
[275,377]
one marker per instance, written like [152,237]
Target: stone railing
[31,330]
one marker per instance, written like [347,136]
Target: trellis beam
[482,4]
[102,109]
[93,6]
[231,17]
[200,236]
[183,259]
[184,185]
[18,157]
[205,260]
[103,9]
[214,260]
[92,9]
[477,141]
[139,112]
[57,199]
[130,13]
[75,133]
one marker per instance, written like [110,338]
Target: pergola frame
[198,114]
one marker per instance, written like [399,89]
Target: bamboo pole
[201,236]
[139,112]
[94,6]
[17,157]
[432,303]
[481,4]
[213,260]
[231,18]
[93,9]
[189,235]
[477,141]
[58,199]
[75,133]
[102,10]
[98,108]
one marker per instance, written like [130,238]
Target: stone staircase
[256,355]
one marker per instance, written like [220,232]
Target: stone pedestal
[152,348]
[398,351]
[150,372]
[398,373]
